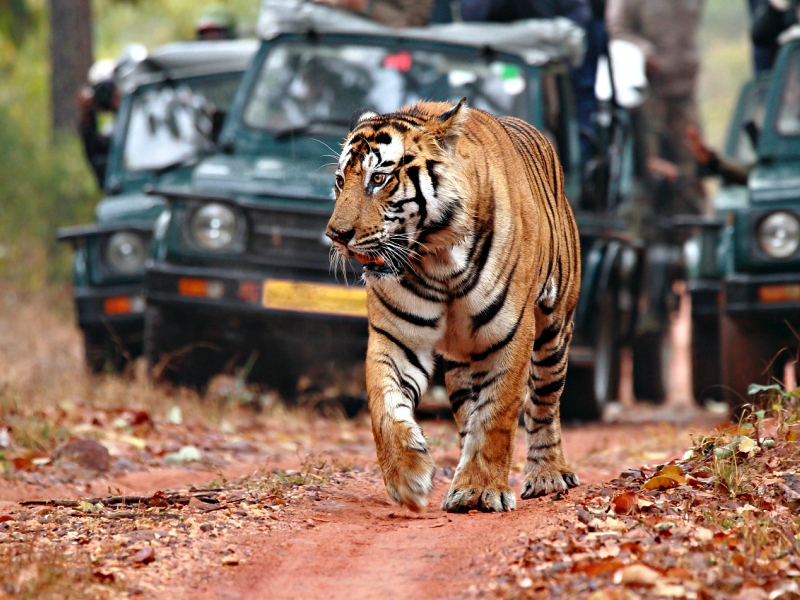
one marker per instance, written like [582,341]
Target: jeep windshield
[171,123]
[302,86]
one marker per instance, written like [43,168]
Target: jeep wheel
[578,400]
[607,360]
[589,388]
[651,362]
[103,352]
[747,351]
[172,352]
[95,351]
[706,377]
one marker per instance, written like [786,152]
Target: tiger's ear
[361,115]
[447,126]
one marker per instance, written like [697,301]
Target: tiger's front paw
[548,482]
[489,499]
[408,469]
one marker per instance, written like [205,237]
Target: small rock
[86,452]
[230,561]
[4,518]
[206,527]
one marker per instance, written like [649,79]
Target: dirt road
[333,535]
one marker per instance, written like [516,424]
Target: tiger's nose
[342,236]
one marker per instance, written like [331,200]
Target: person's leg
[681,112]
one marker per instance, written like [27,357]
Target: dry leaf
[624,503]
[636,575]
[703,535]
[666,590]
[661,482]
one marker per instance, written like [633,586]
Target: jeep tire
[706,376]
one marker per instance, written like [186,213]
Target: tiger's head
[396,192]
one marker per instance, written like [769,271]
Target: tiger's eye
[339,181]
[378,178]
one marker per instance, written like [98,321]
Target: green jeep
[240,270]
[173,106]
[744,265]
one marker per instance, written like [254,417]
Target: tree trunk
[70,58]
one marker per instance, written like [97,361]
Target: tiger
[470,251]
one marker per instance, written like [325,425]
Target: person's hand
[663,168]
[781,5]
[697,146]
[651,67]
[351,5]
[85,99]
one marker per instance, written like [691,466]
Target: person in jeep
[395,13]
[216,23]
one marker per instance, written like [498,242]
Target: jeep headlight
[779,234]
[214,227]
[126,252]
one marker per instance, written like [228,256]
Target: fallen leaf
[175,416]
[703,535]
[593,568]
[747,445]
[4,518]
[673,471]
[660,482]
[636,575]
[667,590]
[104,577]
[624,503]
[185,454]
[159,500]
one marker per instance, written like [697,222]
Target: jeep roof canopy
[538,41]
[179,60]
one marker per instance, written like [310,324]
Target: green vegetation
[45,182]
[726,63]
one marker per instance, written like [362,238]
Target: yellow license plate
[314,297]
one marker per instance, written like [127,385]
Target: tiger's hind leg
[546,471]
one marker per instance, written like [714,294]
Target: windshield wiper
[281,134]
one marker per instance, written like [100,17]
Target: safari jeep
[240,269]
[173,102]
[744,268]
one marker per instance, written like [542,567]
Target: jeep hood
[775,182]
[265,176]
[128,207]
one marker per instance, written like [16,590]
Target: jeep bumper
[240,307]
[118,307]
[775,296]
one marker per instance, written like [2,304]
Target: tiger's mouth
[369,259]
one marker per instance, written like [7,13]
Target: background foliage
[45,183]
